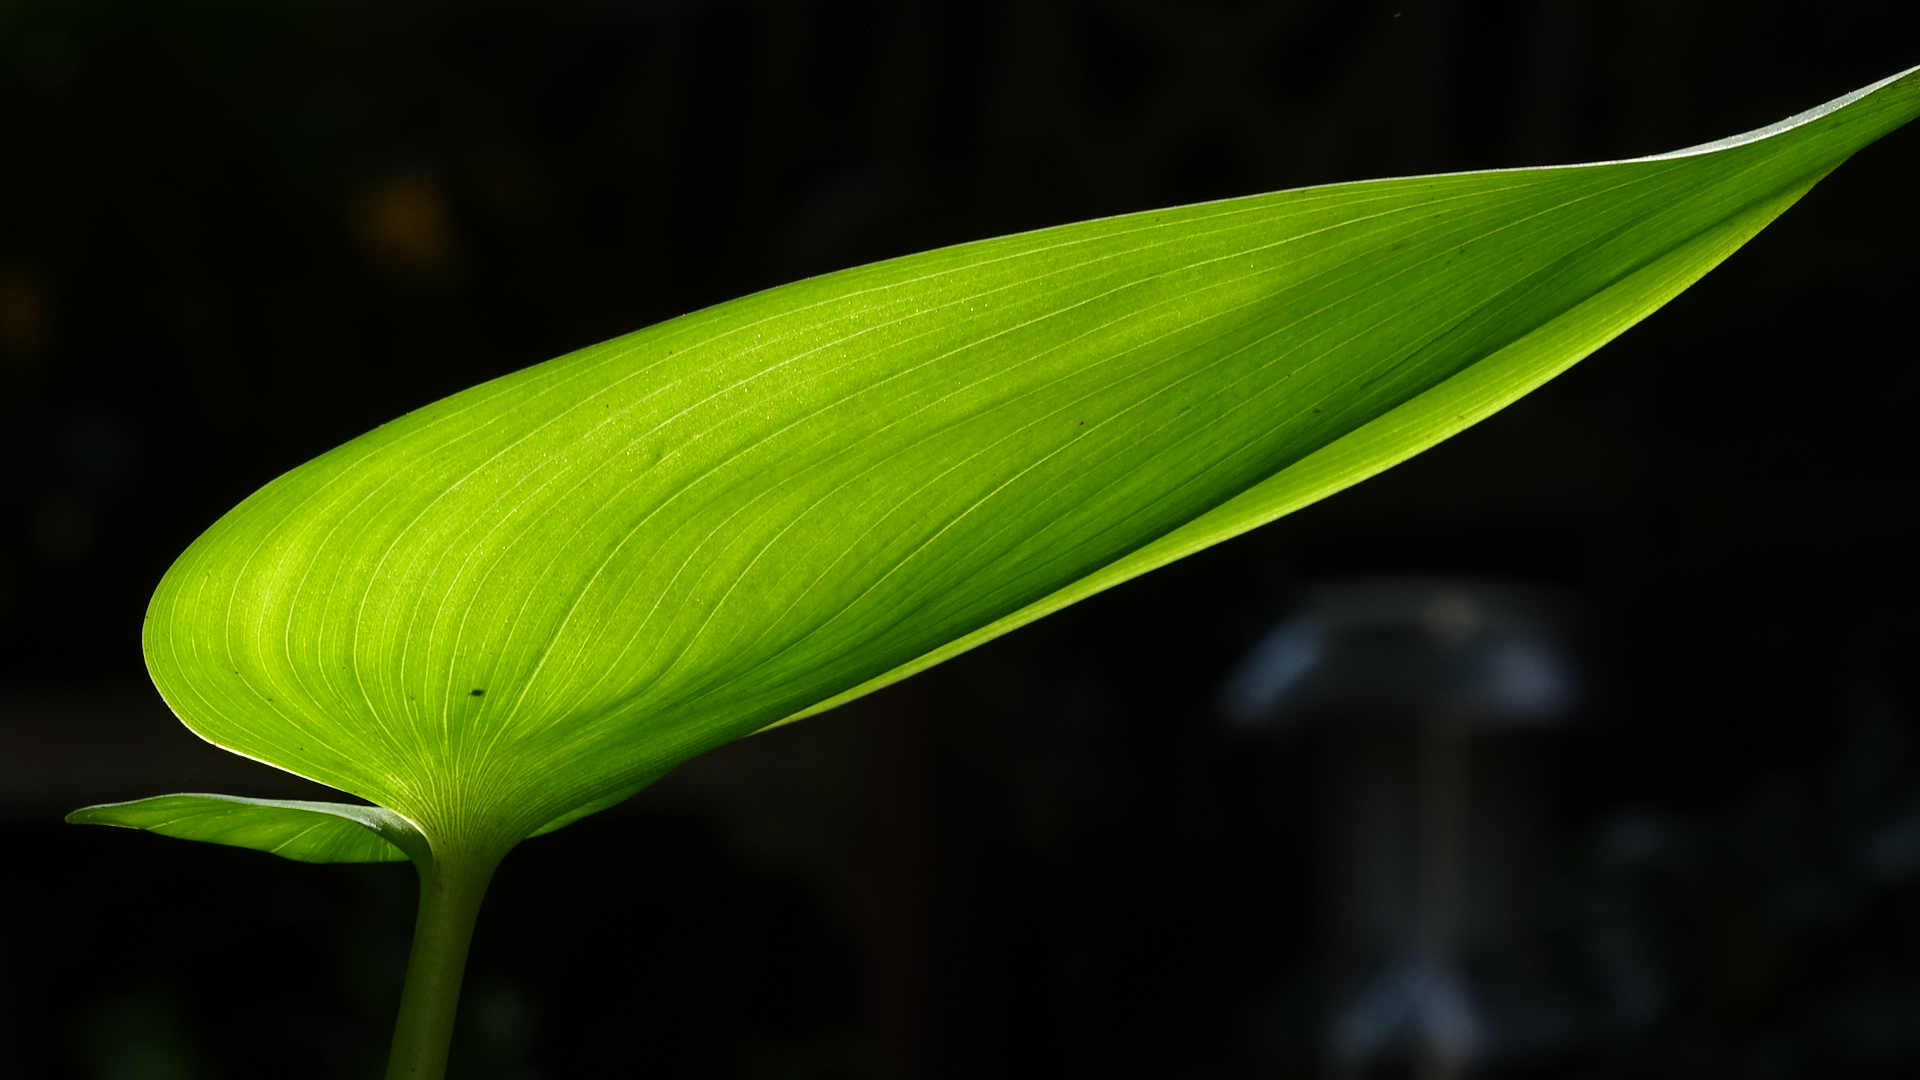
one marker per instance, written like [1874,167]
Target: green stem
[451,887]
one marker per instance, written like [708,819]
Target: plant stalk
[451,887]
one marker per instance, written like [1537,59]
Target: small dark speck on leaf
[479,693]
[1083,423]
[1316,410]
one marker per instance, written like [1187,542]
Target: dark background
[235,233]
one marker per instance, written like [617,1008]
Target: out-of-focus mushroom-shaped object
[1417,687]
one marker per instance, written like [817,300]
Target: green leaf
[315,832]
[529,600]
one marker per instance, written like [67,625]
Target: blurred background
[1584,746]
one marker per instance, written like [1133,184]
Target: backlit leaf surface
[527,601]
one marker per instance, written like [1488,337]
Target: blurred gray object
[1470,655]
[1423,691]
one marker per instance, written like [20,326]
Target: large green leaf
[527,601]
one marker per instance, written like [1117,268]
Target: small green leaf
[527,601]
[315,832]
